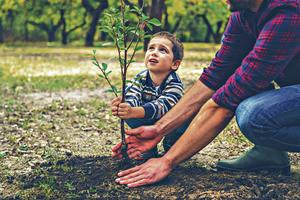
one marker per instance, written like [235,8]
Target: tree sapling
[126,34]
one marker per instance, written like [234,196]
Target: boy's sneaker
[153,153]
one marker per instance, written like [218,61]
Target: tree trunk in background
[156,10]
[1,31]
[216,35]
[167,26]
[207,36]
[103,4]
[177,24]
[26,35]
[11,18]
[64,35]
[50,30]
[51,35]
[64,32]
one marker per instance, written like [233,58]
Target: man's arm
[144,138]
[277,44]
[185,109]
[208,123]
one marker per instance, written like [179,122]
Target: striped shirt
[156,101]
[257,49]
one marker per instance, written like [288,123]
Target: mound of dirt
[93,178]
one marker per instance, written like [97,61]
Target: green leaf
[23,147]
[149,26]
[144,17]
[95,63]
[121,43]
[109,90]
[147,36]
[101,76]
[94,51]
[108,73]
[154,22]
[104,66]
[2,154]
[139,48]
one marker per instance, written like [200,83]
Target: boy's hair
[177,45]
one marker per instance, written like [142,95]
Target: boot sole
[281,170]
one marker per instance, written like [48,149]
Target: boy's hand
[125,111]
[114,105]
[122,110]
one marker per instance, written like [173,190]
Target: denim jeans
[169,139]
[272,118]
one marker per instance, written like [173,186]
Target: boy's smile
[159,56]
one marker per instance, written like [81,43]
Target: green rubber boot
[256,159]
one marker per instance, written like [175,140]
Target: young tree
[126,35]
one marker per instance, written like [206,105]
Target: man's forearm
[185,109]
[208,123]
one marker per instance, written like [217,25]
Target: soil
[60,150]
[93,178]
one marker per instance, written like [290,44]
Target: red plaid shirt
[257,48]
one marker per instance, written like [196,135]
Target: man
[261,45]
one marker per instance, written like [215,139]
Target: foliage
[15,16]
[126,35]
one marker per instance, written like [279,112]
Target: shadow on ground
[93,178]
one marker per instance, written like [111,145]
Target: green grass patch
[23,84]
[38,67]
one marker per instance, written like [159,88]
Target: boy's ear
[176,64]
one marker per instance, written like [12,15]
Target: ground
[56,132]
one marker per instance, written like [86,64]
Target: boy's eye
[151,48]
[163,50]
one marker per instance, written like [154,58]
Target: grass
[41,68]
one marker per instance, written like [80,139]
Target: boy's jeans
[272,118]
[169,139]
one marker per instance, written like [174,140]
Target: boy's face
[159,56]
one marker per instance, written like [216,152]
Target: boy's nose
[154,53]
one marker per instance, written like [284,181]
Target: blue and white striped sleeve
[169,97]
[133,92]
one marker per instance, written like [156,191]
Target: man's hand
[151,171]
[140,140]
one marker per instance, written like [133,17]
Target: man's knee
[243,115]
[252,120]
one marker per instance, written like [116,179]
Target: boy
[156,90]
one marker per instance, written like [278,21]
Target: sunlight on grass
[41,68]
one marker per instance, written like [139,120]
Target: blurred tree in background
[77,20]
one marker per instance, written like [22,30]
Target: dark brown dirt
[93,178]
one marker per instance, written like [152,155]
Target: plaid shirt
[257,48]
[156,101]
